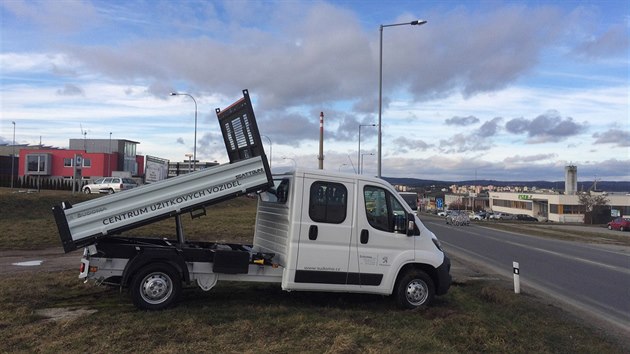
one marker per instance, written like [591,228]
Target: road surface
[588,277]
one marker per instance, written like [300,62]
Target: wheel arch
[171,259]
[427,268]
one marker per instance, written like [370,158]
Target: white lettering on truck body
[172,202]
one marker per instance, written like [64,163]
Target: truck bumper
[444,276]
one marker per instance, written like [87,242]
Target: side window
[328,202]
[383,211]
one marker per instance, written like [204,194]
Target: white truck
[315,231]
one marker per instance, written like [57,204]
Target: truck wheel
[156,287]
[415,289]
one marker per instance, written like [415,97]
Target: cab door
[325,234]
[383,244]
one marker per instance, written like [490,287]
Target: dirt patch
[44,260]
[63,313]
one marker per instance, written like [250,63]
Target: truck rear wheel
[415,289]
[156,287]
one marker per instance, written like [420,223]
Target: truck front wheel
[156,287]
[415,289]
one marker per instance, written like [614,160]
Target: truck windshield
[279,193]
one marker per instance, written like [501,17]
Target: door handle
[365,236]
[312,232]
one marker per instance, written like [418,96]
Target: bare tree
[591,202]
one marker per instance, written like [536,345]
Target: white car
[477,216]
[109,185]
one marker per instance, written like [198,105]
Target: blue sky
[505,90]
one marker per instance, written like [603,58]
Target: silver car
[109,185]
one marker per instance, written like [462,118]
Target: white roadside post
[517,281]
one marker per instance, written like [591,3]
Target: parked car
[478,216]
[442,213]
[502,216]
[525,217]
[109,185]
[621,224]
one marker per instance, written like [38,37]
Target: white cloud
[479,68]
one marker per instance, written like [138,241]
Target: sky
[496,90]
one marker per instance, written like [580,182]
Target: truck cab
[349,233]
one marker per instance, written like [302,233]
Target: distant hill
[608,186]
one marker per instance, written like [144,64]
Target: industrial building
[85,159]
[554,207]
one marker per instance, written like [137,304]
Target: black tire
[609,227]
[621,228]
[110,191]
[415,289]
[156,287]
[87,190]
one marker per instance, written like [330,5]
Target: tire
[156,287]
[415,289]
[87,191]
[609,227]
[622,229]
[110,191]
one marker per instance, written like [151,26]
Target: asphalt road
[589,278]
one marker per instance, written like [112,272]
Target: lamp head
[173,94]
[418,22]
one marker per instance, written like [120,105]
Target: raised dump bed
[248,171]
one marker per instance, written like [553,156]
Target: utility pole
[321,141]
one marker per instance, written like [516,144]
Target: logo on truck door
[372,260]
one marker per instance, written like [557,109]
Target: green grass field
[475,316]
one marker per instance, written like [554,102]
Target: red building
[90,158]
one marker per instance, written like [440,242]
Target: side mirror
[411,225]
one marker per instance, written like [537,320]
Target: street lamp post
[380,86]
[195,145]
[361,164]
[13,156]
[359,152]
[189,164]
[270,150]
[288,158]
[109,157]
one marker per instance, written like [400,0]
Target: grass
[27,220]
[239,317]
[587,234]
[475,316]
